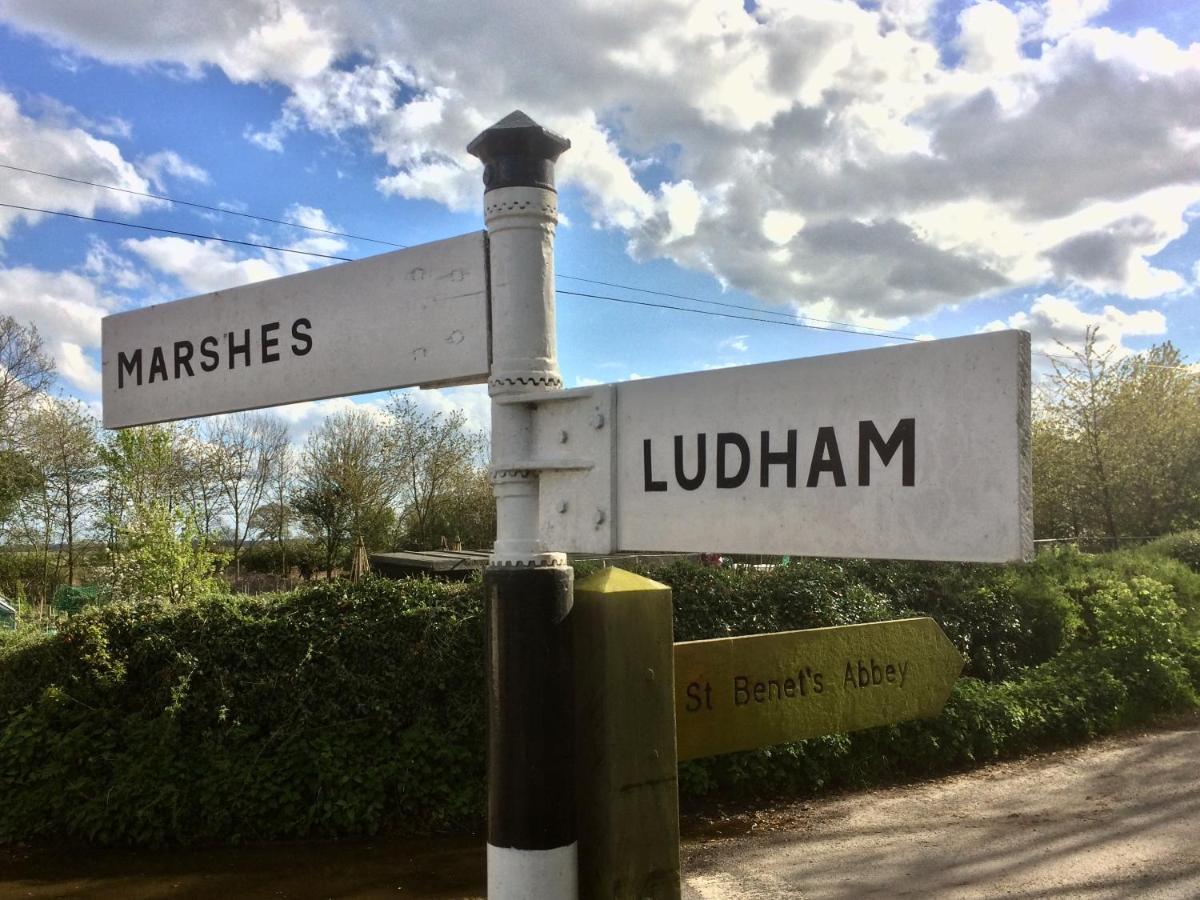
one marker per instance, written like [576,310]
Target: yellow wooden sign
[746,692]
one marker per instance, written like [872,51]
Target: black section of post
[531,691]
[518,152]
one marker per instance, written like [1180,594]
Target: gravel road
[1118,818]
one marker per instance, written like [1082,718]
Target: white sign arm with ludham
[412,317]
[920,451]
[912,452]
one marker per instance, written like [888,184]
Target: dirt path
[1120,818]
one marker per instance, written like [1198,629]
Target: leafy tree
[142,466]
[65,447]
[1081,395]
[345,485]
[162,557]
[18,478]
[1117,445]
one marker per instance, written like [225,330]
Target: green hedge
[330,711]
[1184,547]
[337,710]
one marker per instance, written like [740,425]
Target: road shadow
[1118,823]
[386,867]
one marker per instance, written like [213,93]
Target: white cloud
[54,144]
[1064,16]
[205,266]
[736,342]
[1056,322]
[201,266]
[66,308]
[824,154]
[158,166]
[77,368]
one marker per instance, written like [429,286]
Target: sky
[883,170]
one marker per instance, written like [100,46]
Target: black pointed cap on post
[518,152]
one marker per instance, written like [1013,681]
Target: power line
[883,332]
[358,237]
[203,237]
[826,324]
[709,312]
[216,209]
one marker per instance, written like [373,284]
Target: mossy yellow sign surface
[746,692]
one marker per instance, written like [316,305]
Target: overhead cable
[709,312]
[204,206]
[189,234]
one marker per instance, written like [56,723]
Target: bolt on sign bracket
[573,448]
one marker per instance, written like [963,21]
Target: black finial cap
[518,152]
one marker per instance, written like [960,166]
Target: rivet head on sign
[599,519]
[598,420]
[563,436]
[562,506]
[649,674]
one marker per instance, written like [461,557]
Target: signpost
[746,692]
[412,317]
[913,452]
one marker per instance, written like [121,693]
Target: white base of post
[533,874]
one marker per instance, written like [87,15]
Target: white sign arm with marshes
[412,317]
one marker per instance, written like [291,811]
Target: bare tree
[25,372]
[435,457]
[25,368]
[200,484]
[248,448]
[274,517]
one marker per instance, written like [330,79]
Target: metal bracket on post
[573,446]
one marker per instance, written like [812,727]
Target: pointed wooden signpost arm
[747,692]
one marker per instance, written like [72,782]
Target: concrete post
[532,848]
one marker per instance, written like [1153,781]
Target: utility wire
[709,312]
[883,332]
[203,237]
[826,324]
[216,209]
[359,237]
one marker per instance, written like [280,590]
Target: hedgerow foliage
[341,710]
[334,710]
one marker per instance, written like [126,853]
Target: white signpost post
[913,452]
[412,317]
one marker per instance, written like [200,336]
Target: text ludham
[732,462]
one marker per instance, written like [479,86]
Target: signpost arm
[532,848]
